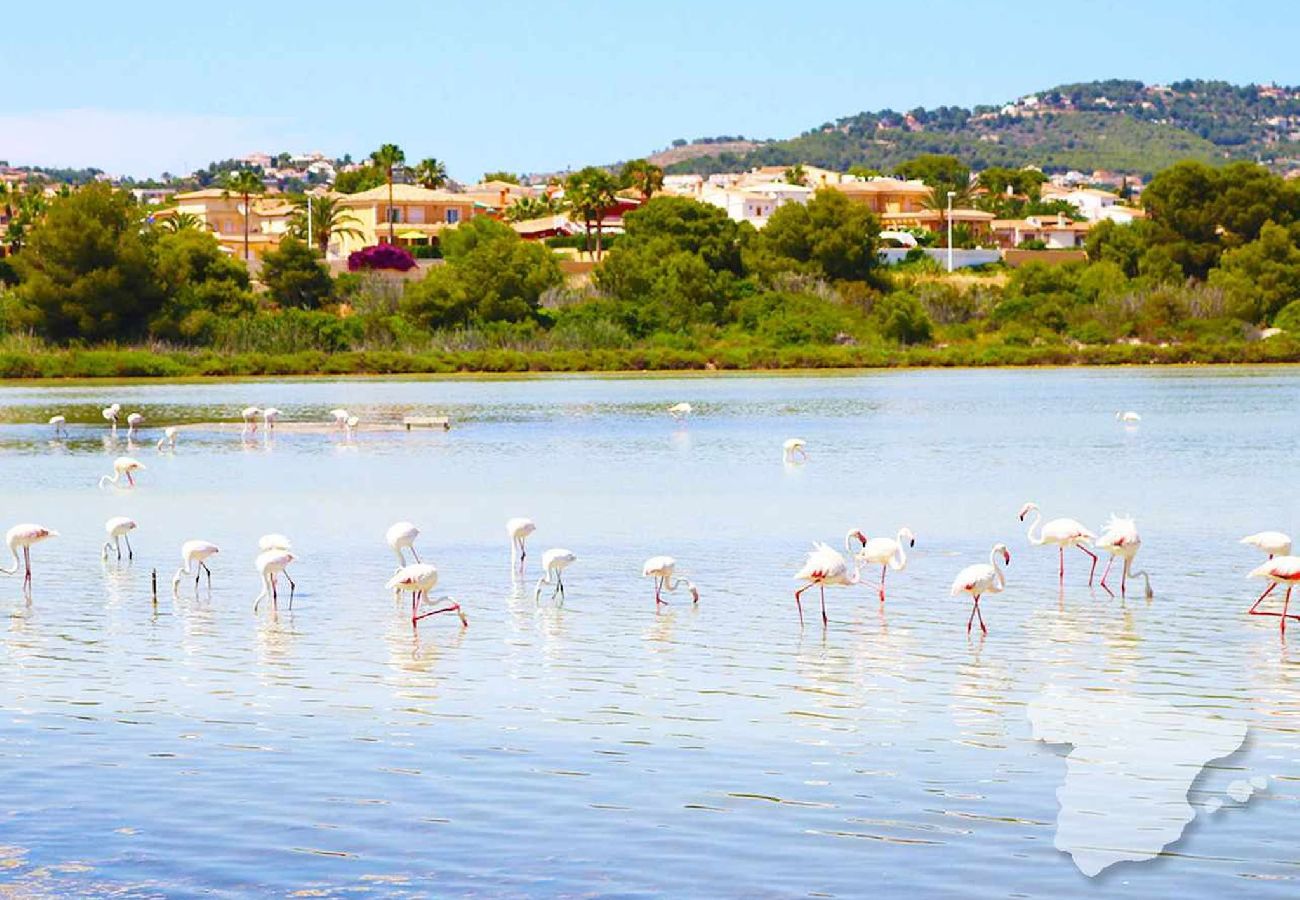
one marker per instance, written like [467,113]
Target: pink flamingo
[981,579]
[419,579]
[1061,532]
[1278,570]
[826,566]
[25,535]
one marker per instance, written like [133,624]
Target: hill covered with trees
[1117,125]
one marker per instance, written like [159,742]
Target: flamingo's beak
[912,542]
[1006,554]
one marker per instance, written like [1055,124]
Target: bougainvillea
[381,256]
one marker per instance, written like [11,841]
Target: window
[415,215]
[453,216]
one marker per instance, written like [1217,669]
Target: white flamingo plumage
[981,579]
[350,426]
[117,529]
[110,415]
[269,564]
[123,466]
[794,450]
[519,528]
[888,553]
[419,579]
[1121,540]
[680,411]
[277,541]
[133,421]
[825,566]
[1128,417]
[1274,543]
[554,562]
[60,424]
[168,438]
[663,569]
[340,417]
[270,416]
[1060,533]
[400,537]
[249,414]
[194,555]
[25,535]
[1278,570]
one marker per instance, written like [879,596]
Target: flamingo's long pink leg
[1093,572]
[1106,573]
[27,562]
[1286,607]
[974,607]
[883,570]
[1268,590]
[825,621]
[1123,578]
[980,613]
[798,603]
[1061,551]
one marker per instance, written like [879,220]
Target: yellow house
[886,195]
[222,213]
[417,215]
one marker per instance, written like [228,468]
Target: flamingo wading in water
[554,562]
[663,570]
[793,450]
[194,555]
[826,566]
[888,553]
[118,528]
[25,535]
[1278,570]
[270,416]
[1274,543]
[60,424]
[1128,417]
[249,414]
[401,537]
[1121,540]
[519,528]
[1062,533]
[270,563]
[133,422]
[110,415]
[680,411]
[419,579]
[276,541]
[123,465]
[981,579]
[168,439]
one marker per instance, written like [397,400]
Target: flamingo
[793,450]
[980,579]
[110,415]
[123,465]
[340,417]
[1062,533]
[194,554]
[554,562]
[269,417]
[1278,570]
[1121,540]
[888,553]
[1128,417]
[350,426]
[60,424]
[826,566]
[249,414]
[25,535]
[133,422]
[276,541]
[419,579]
[400,537]
[117,528]
[680,411]
[270,563]
[662,569]
[1274,543]
[519,528]
[168,438]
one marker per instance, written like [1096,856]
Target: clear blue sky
[139,86]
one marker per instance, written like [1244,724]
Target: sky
[138,87]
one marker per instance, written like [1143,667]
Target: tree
[1262,277]
[245,183]
[902,318]
[796,174]
[592,192]
[294,277]
[644,176]
[944,173]
[508,177]
[431,173]
[387,159]
[86,271]
[1000,180]
[357,180]
[328,218]
[201,285]
[831,237]
[525,208]
[181,221]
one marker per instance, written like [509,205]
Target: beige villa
[418,215]
[223,214]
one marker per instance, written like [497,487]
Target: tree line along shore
[1210,275]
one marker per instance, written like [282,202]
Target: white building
[755,203]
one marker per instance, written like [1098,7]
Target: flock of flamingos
[824,567]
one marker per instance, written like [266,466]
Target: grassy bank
[145,363]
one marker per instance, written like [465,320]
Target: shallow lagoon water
[603,747]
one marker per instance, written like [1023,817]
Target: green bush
[903,319]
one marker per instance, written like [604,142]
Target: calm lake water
[604,748]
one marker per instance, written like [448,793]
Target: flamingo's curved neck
[13,548]
[1037,523]
[997,570]
[849,537]
[900,553]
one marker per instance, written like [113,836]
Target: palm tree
[180,222]
[643,175]
[592,192]
[431,173]
[245,183]
[796,174]
[328,218]
[387,158]
[526,208]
